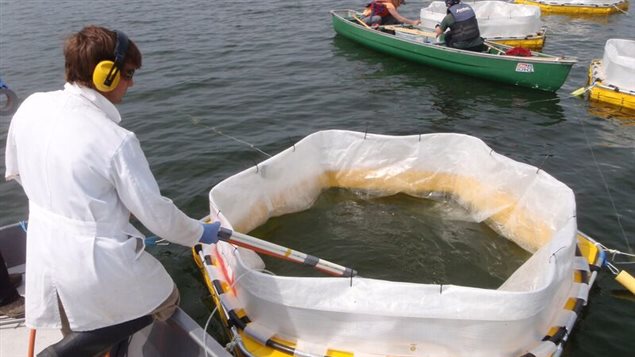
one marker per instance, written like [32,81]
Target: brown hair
[85,49]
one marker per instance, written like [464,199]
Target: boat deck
[14,335]
[14,338]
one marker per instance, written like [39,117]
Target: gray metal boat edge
[180,335]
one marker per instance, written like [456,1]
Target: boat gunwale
[600,82]
[539,35]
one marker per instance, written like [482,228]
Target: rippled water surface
[399,238]
[272,72]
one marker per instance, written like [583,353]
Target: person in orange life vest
[384,12]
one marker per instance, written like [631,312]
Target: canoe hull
[545,73]
[534,43]
[570,9]
[602,91]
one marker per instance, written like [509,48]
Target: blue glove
[210,233]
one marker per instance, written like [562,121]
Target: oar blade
[578,92]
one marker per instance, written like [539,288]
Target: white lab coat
[84,175]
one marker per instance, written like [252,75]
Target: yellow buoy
[627,280]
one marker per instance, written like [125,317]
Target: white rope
[209,319]
[240,141]
[606,186]
[615,252]
[622,11]
[154,240]
[197,121]
[233,343]
[612,268]
[235,340]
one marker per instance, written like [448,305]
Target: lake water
[271,72]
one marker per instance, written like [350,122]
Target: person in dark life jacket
[384,12]
[464,32]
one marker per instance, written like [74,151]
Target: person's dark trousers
[96,342]
[8,292]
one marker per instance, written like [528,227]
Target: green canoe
[540,71]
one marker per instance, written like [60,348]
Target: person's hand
[416,22]
[437,30]
[210,233]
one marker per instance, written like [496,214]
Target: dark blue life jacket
[465,27]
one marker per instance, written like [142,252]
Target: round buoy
[8,101]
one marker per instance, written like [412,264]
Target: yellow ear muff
[106,76]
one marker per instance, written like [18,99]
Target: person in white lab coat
[84,175]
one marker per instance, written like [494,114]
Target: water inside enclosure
[399,238]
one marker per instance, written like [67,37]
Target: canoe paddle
[361,21]
[582,90]
[278,251]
